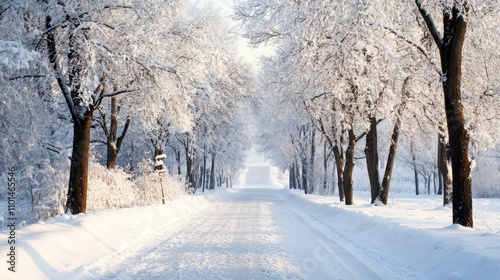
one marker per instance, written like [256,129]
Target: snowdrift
[61,247]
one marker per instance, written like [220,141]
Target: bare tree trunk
[204,171]
[371,152]
[434,179]
[310,172]
[298,176]
[212,173]
[178,161]
[112,151]
[450,46]
[444,166]
[333,183]
[325,168]
[440,163]
[339,163]
[428,179]
[303,158]
[415,169]
[458,134]
[304,175]
[295,176]
[113,143]
[386,182]
[78,176]
[190,178]
[349,167]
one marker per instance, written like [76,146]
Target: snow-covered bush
[486,179]
[48,190]
[117,189]
[150,187]
[110,188]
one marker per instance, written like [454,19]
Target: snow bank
[59,247]
[417,232]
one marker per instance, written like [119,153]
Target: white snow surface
[262,231]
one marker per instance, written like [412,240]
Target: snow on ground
[61,247]
[418,234]
[262,231]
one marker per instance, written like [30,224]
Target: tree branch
[61,81]
[52,147]
[98,92]
[67,18]
[115,93]
[39,37]
[119,141]
[103,123]
[27,76]
[430,24]
[103,24]
[419,48]
[99,141]
[320,95]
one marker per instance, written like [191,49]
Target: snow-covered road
[261,230]
[247,234]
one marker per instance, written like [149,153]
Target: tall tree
[81,100]
[450,45]
[89,55]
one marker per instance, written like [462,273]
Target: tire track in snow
[137,253]
[360,256]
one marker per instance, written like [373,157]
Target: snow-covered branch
[430,24]
[118,92]
[27,76]
[418,47]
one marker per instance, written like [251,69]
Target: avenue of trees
[91,92]
[422,74]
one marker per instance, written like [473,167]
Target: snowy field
[263,231]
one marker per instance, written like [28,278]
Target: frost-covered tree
[94,51]
[88,64]
[450,42]
[33,146]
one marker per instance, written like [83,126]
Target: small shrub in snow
[109,188]
[149,185]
